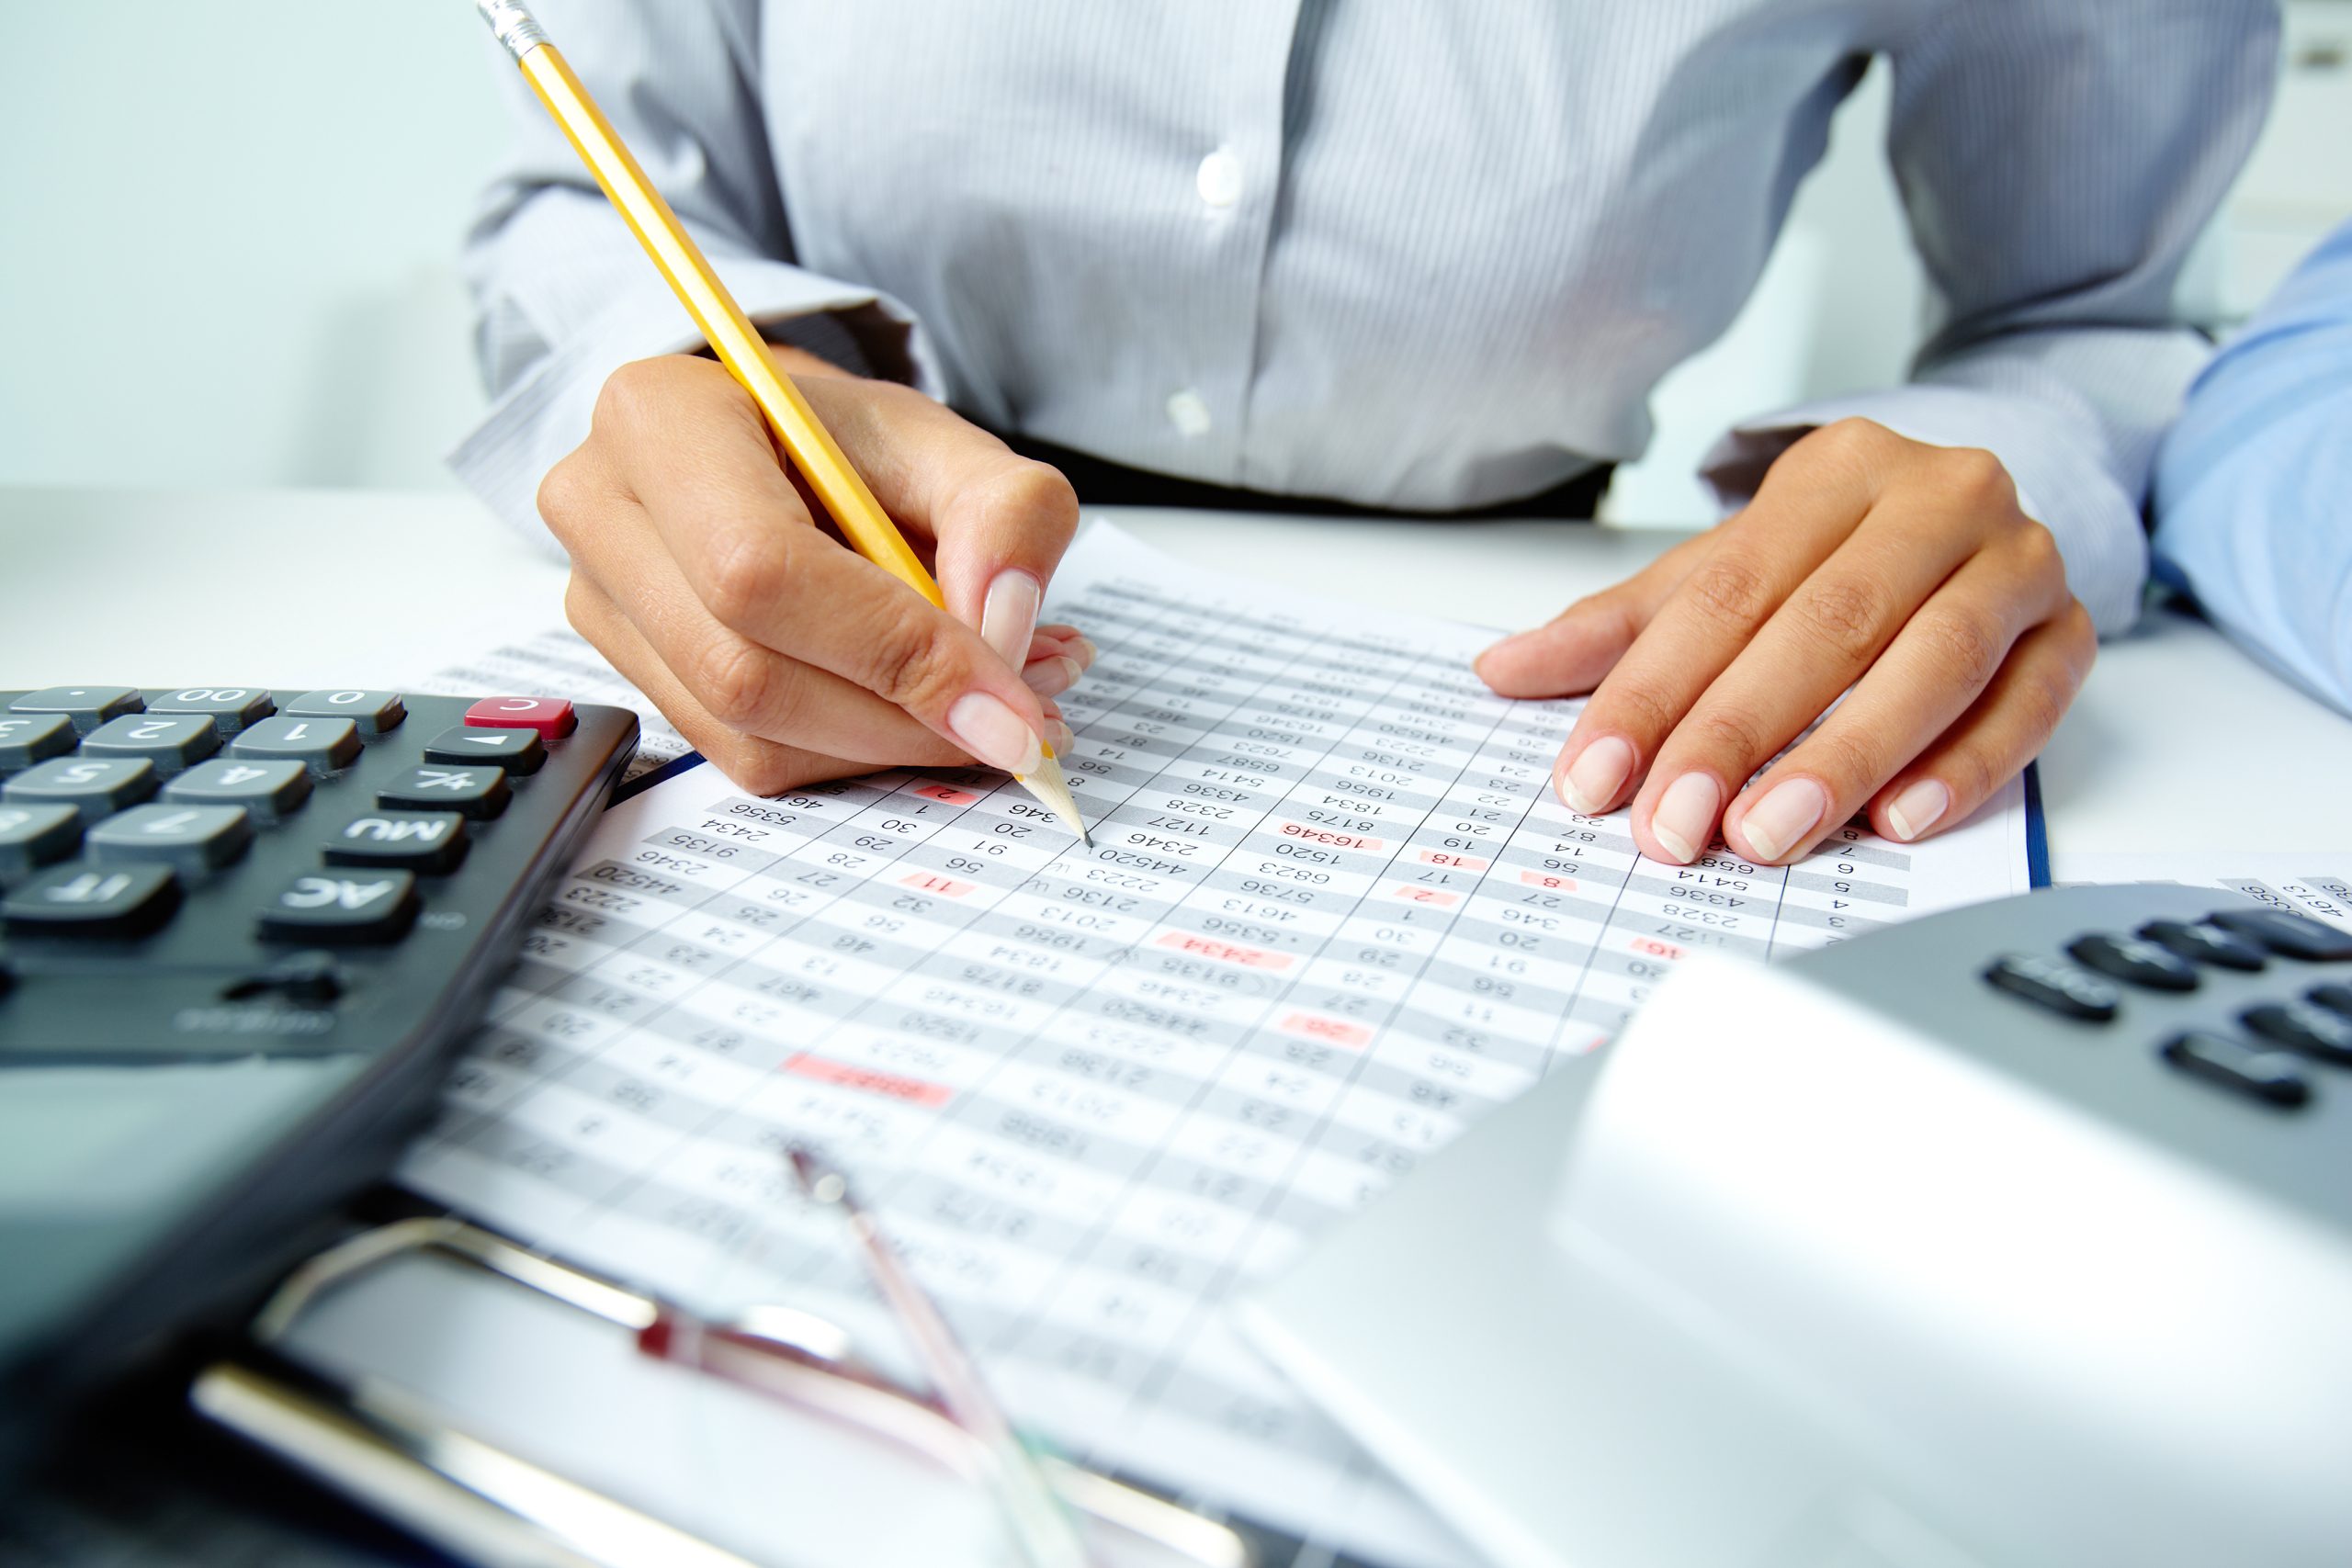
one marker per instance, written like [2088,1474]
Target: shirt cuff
[546,414]
[2061,483]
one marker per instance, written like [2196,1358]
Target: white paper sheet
[1333,914]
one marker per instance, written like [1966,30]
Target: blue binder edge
[662,774]
[2036,833]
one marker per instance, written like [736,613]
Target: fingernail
[995,734]
[1084,650]
[1592,781]
[1917,808]
[1786,814]
[1061,736]
[1009,614]
[1685,817]
[1052,677]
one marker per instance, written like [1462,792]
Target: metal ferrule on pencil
[515,25]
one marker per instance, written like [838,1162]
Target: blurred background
[234,208]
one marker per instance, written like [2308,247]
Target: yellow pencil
[731,334]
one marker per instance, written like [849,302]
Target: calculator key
[517,750]
[193,837]
[329,907]
[2273,1077]
[2314,1030]
[2204,944]
[87,707]
[2061,988]
[2336,999]
[268,792]
[2289,936]
[2134,963]
[27,738]
[371,713]
[33,836]
[88,901]
[427,842]
[230,707]
[322,745]
[552,716]
[479,792]
[97,787]
[171,741]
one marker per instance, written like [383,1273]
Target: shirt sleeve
[564,295]
[2250,485]
[2057,159]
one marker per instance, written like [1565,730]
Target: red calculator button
[552,716]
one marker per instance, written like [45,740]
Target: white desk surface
[2176,733]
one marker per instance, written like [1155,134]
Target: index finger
[997,523]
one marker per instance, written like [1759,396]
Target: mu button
[427,842]
[377,906]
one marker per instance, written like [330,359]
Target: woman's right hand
[784,656]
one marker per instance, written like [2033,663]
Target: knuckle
[1966,647]
[1039,495]
[748,570]
[1845,756]
[628,393]
[1642,712]
[1725,731]
[1846,614]
[563,496]
[580,606]
[1973,476]
[1849,440]
[734,680]
[914,664]
[1732,586]
[2041,701]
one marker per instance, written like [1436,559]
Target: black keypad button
[2204,944]
[2059,987]
[87,707]
[2271,1077]
[29,738]
[322,745]
[2315,1030]
[97,787]
[35,836]
[93,901]
[268,792]
[174,742]
[342,906]
[2289,936]
[430,843]
[195,838]
[2135,963]
[515,750]
[2335,998]
[230,707]
[478,793]
[371,713]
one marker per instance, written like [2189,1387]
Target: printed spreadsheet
[1334,913]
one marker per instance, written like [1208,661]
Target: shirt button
[1219,179]
[1188,413]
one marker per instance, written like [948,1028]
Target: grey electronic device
[2019,1235]
[241,932]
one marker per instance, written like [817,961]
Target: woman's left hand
[1904,571]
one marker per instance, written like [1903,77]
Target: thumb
[1569,654]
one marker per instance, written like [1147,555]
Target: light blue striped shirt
[2253,486]
[1413,255]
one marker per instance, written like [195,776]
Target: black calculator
[240,933]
